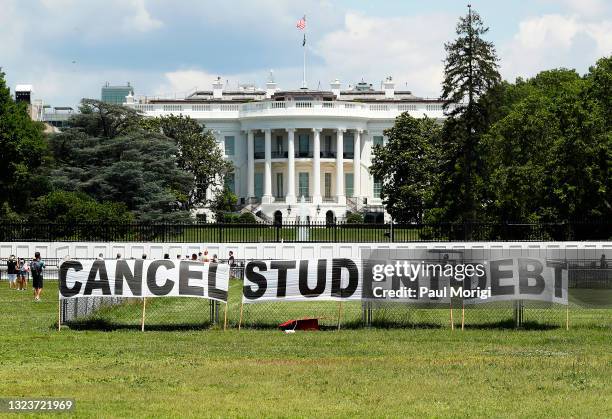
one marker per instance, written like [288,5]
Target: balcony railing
[330,199]
[265,107]
[260,155]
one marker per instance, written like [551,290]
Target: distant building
[300,148]
[57,116]
[23,93]
[116,94]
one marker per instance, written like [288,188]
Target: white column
[250,164]
[290,197]
[357,165]
[340,166]
[267,190]
[316,167]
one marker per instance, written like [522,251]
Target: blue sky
[68,48]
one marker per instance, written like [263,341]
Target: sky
[67,49]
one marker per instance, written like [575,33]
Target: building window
[377,140]
[327,149]
[348,184]
[349,146]
[279,143]
[260,147]
[229,145]
[303,145]
[328,181]
[230,182]
[377,187]
[258,185]
[303,189]
[279,185]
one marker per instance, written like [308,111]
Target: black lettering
[155,289]
[98,267]
[558,269]
[497,274]
[321,279]
[480,283]
[256,278]
[64,290]
[353,278]
[185,274]
[134,280]
[213,291]
[525,274]
[282,266]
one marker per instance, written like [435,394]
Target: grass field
[360,372]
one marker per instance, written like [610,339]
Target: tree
[470,71]
[198,154]
[74,207]
[223,203]
[22,151]
[406,166]
[133,166]
[548,157]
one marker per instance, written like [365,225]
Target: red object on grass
[300,324]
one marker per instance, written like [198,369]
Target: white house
[299,146]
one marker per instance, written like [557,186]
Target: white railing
[201,108]
[295,108]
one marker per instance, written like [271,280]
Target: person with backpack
[11,265]
[36,268]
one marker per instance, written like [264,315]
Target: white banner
[523,278]
[406,281]
[143,278]
[302,280]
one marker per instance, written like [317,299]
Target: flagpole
[304,47]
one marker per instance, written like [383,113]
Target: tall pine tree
[470,71]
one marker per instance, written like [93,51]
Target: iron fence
[310,232]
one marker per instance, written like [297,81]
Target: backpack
[36,269]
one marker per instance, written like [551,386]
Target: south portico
[317,165]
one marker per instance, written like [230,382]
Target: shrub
[354,218]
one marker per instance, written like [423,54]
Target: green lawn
[353,372]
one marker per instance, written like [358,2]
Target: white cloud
[409,48]
[555,40]
[141,20]
[588,8]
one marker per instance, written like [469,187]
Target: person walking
[22,273]
[36,267]
[11,265]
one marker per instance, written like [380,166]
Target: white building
[284,144]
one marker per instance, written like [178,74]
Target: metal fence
[311,232]
[171,313]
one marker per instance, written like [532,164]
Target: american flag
[301,24]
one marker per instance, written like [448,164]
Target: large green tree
[406,165]
[22,151]
[107,155]
[198,153]
[548,157]
[470,71]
